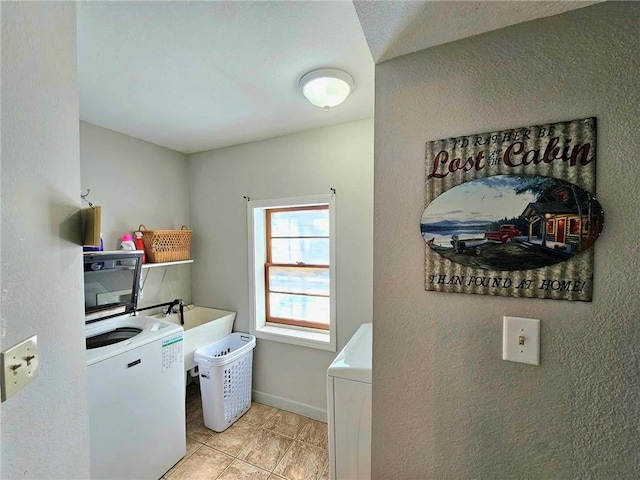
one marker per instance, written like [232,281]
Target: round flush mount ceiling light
[326,87]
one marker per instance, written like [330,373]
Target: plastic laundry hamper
[225,379]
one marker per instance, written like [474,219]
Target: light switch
[19,366]
[521,340]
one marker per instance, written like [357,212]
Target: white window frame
[258,326]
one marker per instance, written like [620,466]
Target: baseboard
[290,406]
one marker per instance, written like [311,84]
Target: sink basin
[202,326]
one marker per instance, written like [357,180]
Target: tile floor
[264,444]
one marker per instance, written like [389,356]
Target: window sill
[306,338]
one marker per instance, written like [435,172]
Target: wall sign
[513,213]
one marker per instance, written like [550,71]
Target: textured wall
[295,165]
[137,182]
[45,431]
[445,405]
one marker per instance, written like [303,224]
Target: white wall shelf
[165,264]
[161,264]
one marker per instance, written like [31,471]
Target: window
[574,226]
[550,226]
[297,267]
[292,270]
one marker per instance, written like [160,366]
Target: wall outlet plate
[19,366]
[521,340]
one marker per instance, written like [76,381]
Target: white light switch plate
[19,366]
[521,340]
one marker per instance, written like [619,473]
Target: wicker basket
[166,245]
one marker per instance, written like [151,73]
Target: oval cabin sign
[510,222]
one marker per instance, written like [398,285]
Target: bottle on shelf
[127,244]
[140,245]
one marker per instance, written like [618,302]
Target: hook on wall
[84,197]
[333,190]
[246,198]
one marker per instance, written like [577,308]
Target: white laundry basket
[225,379]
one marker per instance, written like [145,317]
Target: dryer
[349,408]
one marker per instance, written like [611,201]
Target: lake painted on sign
[443,237]
[546,220]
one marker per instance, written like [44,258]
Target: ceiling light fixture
[326,87]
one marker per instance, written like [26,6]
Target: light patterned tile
[205,464]
[302,462]
[261,450]
[192,446]
[286,423]
[266,449]
[325,474]
[234,439]
[193,405]
[258,414]
[315,433]
[194,414]
[197,431]
[193,396]
[240,470]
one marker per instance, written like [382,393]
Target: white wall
[136,182]
[45,425]
[444,404]
[307,163]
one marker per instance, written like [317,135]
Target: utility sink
[202,326]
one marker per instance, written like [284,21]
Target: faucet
[180,303]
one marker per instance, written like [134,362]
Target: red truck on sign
[506,233]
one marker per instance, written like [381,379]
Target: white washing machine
[349,408]
[135,367]
[136,397]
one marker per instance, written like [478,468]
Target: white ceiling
[193,76]
[395,28]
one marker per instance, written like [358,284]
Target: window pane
[299,307]
[574,226]
[314,251]
[549,226]
[313,281]
[300,223]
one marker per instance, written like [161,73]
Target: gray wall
[45,425]
[445,405]
[307,163]
[136,182]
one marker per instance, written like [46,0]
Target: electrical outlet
[521,340]
[19,366]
